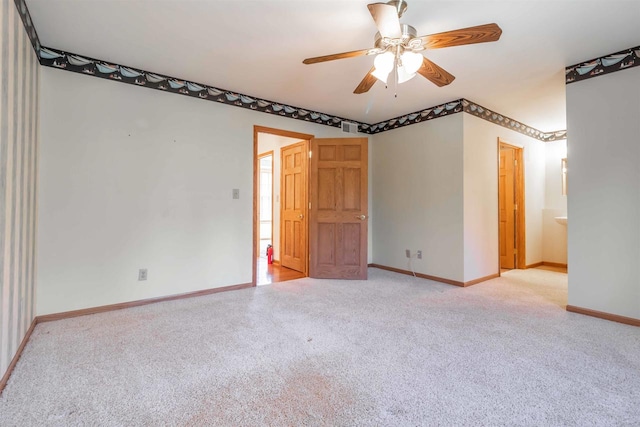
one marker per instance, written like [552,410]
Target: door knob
[301,216]
[361,217]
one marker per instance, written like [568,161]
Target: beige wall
[417,187]
[480,198]
[134,178]
[18,170]
[604,195]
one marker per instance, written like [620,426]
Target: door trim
[520,240]
[256,130]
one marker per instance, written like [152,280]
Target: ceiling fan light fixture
[397,47]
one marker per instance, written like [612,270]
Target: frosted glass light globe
[411,61]
[383,65]
[384,62]
[403,76]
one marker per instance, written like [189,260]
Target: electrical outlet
[142,274]
[236,193]
[419,254]
[407,252]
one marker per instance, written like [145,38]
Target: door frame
[280,132]
[520,238]
[260,156]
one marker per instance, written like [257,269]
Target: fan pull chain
[395,90]
[395,77]
[396,63]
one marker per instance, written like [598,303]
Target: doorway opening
[511,207]
[265,204]
[319,203]
[280,194]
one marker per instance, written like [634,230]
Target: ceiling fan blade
[386,18]
[435,73]
[342,55]
[366,83]
[479,34]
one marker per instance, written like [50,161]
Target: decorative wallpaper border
[509,123]
[68,61]
[29,27]
[464,105]
[604,65]
[94,67]
[436,112]
[51,57]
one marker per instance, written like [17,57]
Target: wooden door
[338,209]
[506,201]
[293,207]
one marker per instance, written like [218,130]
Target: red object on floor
[270,254]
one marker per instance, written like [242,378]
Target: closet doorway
[511,209]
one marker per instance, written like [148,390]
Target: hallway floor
[274,273]
[549,284]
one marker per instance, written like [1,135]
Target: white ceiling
[256,47]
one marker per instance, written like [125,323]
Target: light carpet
[390,351]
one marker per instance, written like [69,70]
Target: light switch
[236,193]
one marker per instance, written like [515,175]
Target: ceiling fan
[397,47]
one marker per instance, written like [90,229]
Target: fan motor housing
[408,33]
